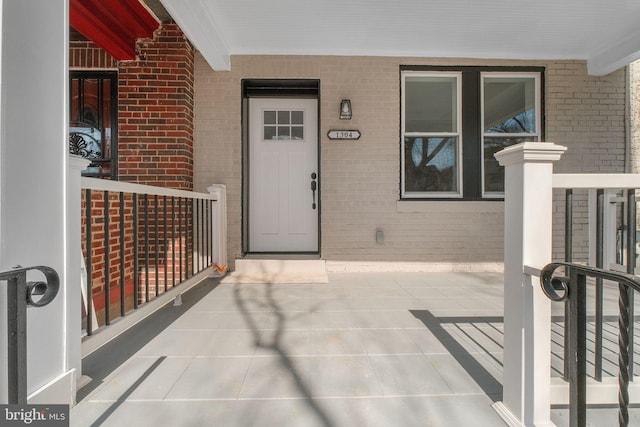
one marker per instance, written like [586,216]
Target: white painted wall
[33,168]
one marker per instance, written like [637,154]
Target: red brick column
[155,145]
[155,101]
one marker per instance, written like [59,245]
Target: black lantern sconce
[345,109]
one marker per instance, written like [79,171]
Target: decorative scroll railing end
[38,293]
[20,295]
[551,285]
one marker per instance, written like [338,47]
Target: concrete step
[273,270]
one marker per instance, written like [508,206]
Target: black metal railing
[573,291]
[20,295]
[139,242]
[625,253]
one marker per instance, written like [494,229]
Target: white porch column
[33,188]
[527,311]
[219,220]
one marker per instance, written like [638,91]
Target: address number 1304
[344,134]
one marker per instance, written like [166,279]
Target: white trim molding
[530,152]
[219,218]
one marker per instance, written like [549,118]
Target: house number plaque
[344,134]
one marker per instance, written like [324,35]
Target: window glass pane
[431,164]
[297,117]
[269,117]
[75,101]
[283,117]
[283,132]
[91,105]
[431,104]
[106,118]
[269,132]
[297,132]
[509,105]
[493,172]
[93,120]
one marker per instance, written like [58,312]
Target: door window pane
[269,117]
[297,132]
[283,125]
[297,117]
[283,117]
[283,132]
[270,132]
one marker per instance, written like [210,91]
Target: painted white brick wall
[586,114]
[360,179]
[634,71]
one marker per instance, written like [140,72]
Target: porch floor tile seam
[319,355]
[292,398]
[394,328]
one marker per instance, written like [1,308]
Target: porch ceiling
[605,33]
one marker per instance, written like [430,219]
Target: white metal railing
[140,242]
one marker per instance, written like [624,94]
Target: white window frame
[432,194]
[536,137]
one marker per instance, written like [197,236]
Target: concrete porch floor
[379,349]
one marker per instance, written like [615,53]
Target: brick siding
[360,179]
[155,102]
[586,114]
[156,112]
[155,138]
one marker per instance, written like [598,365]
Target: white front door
[283,175]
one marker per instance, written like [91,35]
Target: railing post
[20,294]
[17,344]
[568,257]
[577,350]
[74,289]
[631,267]
[219,222]
[527,311]
[599,298]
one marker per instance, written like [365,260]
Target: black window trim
[103,75]
[471,127]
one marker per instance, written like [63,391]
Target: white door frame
[249,210]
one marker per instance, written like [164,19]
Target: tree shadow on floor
[267,302]
[489,384]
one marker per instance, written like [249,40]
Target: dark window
[93,120]
[454,119]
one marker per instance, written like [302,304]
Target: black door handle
[314,186]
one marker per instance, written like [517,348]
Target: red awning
[114,25]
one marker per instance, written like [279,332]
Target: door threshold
[282,255]
[279,270]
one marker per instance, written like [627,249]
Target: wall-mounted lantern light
[345,109]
